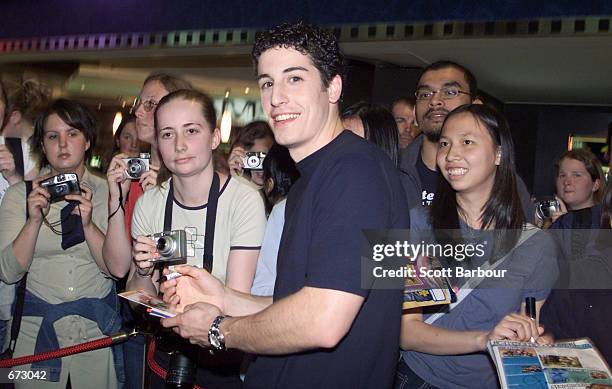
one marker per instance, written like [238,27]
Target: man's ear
[477,100]
[335,89]
[216,138]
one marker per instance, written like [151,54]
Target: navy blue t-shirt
[429,182]
[346,186]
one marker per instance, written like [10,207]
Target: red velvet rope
[59,353]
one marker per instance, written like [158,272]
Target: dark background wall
[36,18]
[541,134]
[380,83]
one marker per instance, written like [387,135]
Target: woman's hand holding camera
[38,201]
[149,178]
[144,250]
[116,175]
[557,214]
[85,206]
[235,159]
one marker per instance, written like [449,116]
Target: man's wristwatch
[215,336]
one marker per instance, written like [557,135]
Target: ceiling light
[117,122]
[226,124]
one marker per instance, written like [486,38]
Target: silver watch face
[214,340]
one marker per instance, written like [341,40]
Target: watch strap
[215,336]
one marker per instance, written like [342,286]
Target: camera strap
[211,217]
[527,232]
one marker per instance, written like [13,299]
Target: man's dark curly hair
[320,45]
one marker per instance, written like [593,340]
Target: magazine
[571,364]
[420,291]
[156,306]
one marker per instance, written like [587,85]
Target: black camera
[171,245]
[253,160]
[61,185]
[137,166]
[182,370]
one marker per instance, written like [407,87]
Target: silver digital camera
[171,245]
[136,166]
[545,208]
[253,160]
[61,185]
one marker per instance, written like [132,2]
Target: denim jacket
[104,311]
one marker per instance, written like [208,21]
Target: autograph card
[157,307]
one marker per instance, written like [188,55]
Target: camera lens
[61,189]
[253,161]
[134,167]
[165,246]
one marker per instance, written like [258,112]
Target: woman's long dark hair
[280,168]
[503,208]
[379,127]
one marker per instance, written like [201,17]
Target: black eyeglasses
[147,105]
[446,93]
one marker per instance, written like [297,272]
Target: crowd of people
[270,284]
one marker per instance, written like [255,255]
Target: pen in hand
[169,277]
[530,310]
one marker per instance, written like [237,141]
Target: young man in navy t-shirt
[321,329]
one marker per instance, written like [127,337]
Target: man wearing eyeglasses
[442,87]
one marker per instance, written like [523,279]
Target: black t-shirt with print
[429,182]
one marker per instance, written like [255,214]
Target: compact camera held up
[136,166]
[253,160]
[61,185]
[171,245]
[546,206]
